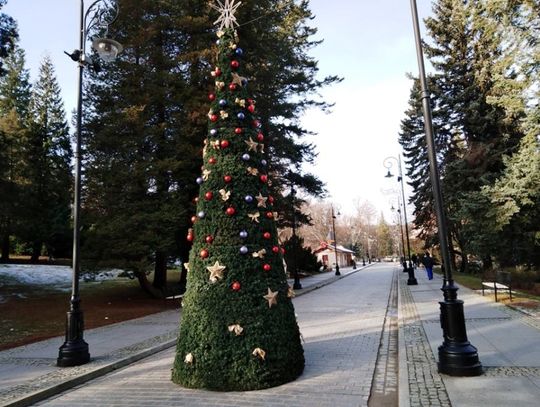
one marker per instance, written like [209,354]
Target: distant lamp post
[74,351]
[388,164]
[335,241]
[398,210]
[457,357]
[297,285]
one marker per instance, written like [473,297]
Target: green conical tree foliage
[239,330]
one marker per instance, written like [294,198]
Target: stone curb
[43,394]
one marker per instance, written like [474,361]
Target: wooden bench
[500,281]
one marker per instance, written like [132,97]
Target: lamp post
[335,241]
[297,285]
[388,164]
[74,351]
[398,210]
[457,357]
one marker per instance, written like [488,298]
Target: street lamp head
[107,49]
[389,174]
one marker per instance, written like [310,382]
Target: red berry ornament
[227,178]
[260,137]
[224,143]
[211,97]
[267,235]
[264,178]
[212,160]
[271,199]
[235,64]
[238,130]
[230,211]
[214,118]
[275,249]
[204,254]
[208,195]
[209,239]
[269,215]
[267,267]
[236,286]
[232,87]
[251,108]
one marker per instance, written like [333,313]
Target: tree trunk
[147,286]
[5,247]
[160,271]
[36,251]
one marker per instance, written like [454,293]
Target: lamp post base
[74,351]
[337,271]
[412,279]
[457,357]
[297,285]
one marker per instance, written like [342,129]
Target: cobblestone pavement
[425,385]
[341,324]
[384,389]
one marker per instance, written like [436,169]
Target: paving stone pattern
[341,324]
[426,387]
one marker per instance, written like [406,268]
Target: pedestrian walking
[414,259]
[428,262]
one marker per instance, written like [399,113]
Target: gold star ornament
[261,201]
[216,271]
[271,297]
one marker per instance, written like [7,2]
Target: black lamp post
[388,164]
[457,357]
[74,351]
[398,210]
[335,241]
[297,285]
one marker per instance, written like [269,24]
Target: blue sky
[369,43]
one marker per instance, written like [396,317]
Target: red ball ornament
[208,195]
[238,130]
[251,101]
[209,239]
[217,71]
[271,199]
[196,199]
[236,286]
[224,144]
[233,87]
[189,237]
[269,215]
[267,267]
[260,137]
[214,118]
[251,108]
[212,160]
[264,178]
[211,97]
[193,219]
[203,253]
[227,178]
[256,123]
[282,250]
[235,64]
[230,211]
[267,235]
[275,249]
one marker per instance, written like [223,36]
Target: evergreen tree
[14,100]
[8,36]
[47,194]
[238,330]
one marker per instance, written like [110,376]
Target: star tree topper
[227,9]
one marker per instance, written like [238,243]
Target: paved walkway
[354,355]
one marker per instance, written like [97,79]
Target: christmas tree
[238,330]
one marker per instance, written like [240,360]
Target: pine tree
[48,149]
[238,330]
[8,36]
[14,100]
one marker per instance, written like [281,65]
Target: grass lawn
[31,315]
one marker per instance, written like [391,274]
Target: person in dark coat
[414,259]
[428,263]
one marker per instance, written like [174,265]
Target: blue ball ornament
[244,82]
[246,157]
[213,132]
[241,116]
[199,180]
[244,250]
[201,214]
[264,162]
[239,52]
[248,198]
[222,102]
[243,234]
